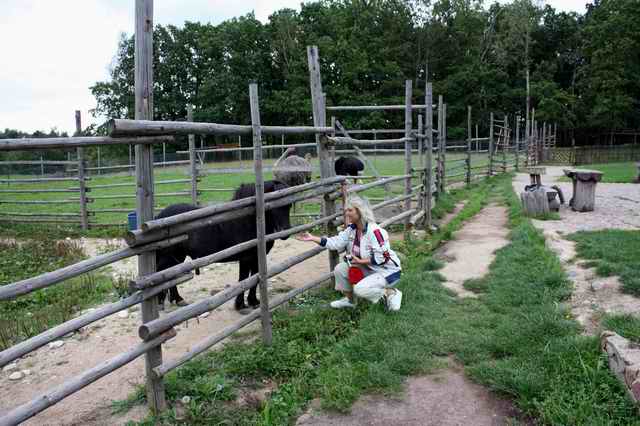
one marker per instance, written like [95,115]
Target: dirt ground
[478,239]
[617,207]
[113,335]
[446,398]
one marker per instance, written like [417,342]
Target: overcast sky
[52,51]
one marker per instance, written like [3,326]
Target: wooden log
[233,205]
[138,237]
[120,196]
[364,187]
[119,128]
[127,184]
[11,291]
[39,180]
[32,162]
[84,217]
[143,72]
[37,144]
[263,283]
[69,387]
[408,125]
[374,108]
[535,203]
[428,176]
[21,214]
[207,343]
[40,220]
[584,188]
[325,157]
[38,202]
[36,191]
[154,328]
[35,342]
[469,135]
[368,142]
[212,150]
[397,218]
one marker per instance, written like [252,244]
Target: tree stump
[535,203]
[584,188]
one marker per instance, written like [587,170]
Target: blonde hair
[363,207]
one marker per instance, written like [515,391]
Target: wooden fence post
[144,185]
[429,158]
[84,219]
[507,140]
[265,314]
[491,145]
[440,186]
[420,141]
[518,118]
[99,162]
[408,145]
[469,137]
[444,146]
[421,161]
[193,165]
[324,156]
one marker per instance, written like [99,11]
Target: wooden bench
[584,188]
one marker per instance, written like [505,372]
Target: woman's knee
[342,269]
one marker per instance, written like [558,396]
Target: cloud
[58,49]
[55,50]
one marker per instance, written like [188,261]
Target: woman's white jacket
[374,244]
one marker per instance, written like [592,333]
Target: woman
[368,250]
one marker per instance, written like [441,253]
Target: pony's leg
[245,272]
[252,299]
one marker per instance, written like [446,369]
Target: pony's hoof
[182,303]
[245,311]
[254,305]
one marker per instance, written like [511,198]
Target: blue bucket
[132,218]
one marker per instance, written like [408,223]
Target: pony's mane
[247,190]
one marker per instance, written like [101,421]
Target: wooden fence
[154,234]
[582,155]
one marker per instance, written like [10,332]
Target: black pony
[348,166]
[214,238]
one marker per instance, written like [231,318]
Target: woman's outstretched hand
[305,236]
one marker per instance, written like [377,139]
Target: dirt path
[446,398]
[116,334]
[473,249]
[617,207]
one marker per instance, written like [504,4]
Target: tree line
[582,69]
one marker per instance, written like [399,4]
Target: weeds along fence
[154,234]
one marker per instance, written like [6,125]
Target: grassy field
[612,252]
[614,172]
[385,164]
[515,338]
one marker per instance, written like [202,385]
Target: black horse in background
[348,166]
[214,238]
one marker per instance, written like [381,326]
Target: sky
[53,51]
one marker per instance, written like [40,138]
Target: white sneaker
[394,301]
[342,303]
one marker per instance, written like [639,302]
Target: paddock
[408,168]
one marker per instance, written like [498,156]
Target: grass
[625,325]
[36,312]
[612,252]
[613,172]
[385,164]
[515,338]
